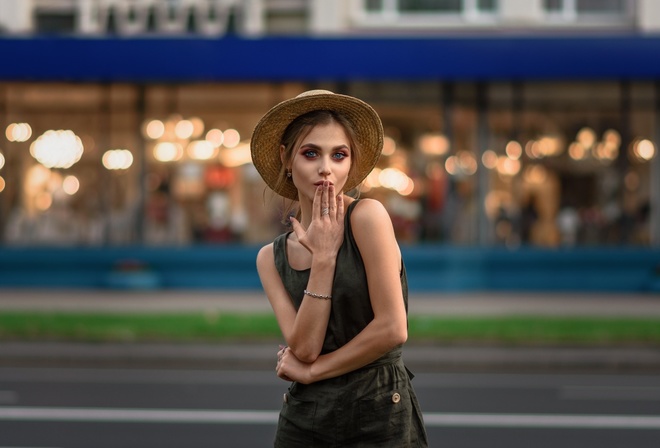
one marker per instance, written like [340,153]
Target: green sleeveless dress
[374,406]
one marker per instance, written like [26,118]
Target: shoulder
[265,256]
[369,212]
[371,223]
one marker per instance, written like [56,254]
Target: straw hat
[267,136]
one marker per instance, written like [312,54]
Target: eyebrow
[314,146]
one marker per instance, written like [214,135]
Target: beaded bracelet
[317,296]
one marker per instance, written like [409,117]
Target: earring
[288,174]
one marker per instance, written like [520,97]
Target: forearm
[311,322]
[375,340]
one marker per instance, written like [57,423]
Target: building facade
[509,123]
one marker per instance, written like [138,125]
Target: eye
[309,153]
[340,155]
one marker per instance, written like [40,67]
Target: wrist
[315,371]
[324,261]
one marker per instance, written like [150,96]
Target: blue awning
[333,59]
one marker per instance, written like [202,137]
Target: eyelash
[314,153]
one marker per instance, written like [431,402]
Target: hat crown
[315,92]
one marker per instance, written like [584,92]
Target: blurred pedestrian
[336,281]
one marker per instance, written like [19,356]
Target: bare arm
[374,234]
[304,330]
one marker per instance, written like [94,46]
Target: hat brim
[267,136]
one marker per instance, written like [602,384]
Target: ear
[282,149]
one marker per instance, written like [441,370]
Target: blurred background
[521,136]
[520,169]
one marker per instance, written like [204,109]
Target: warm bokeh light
[198,127]
[507,166]
[389,146]
[549,146]
[70,185]
[57,149]
[201,150]
[231,138]
[467,162]
[215,136]
[184,129]
[489,159]
[576,151]
[513,150]
[434,144]
[395,179]
[372,180]
[535,174]
[154,130]
[168,152]
[586,137]
[644,150]
[2,161]
[451,165]
[117,159]
[612,137]
[18,132]
[237,156]
[532,149]
[2,184]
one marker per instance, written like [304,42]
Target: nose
[324,167]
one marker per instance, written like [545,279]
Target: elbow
[305,352]
[307,357]
[397,335]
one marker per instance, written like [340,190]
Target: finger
[316,205]
[325,207]
[340,206]
[332,202]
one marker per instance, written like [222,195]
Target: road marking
[252,417]
[544,421]
[139,415]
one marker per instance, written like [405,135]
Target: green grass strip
[136,327]
[43,326]
[521,330]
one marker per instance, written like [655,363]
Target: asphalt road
[118,407]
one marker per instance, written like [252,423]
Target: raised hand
[325,233]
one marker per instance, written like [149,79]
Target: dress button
[396,397]
[286,398]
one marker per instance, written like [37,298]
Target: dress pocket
[385,418]
[296,423]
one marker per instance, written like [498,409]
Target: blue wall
[483,57]
[430,268]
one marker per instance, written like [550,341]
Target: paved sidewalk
[262,355]
[447,304]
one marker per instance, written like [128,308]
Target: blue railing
[430,268]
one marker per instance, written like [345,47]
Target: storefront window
[529,163]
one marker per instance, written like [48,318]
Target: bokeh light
[57,149]
[70,185]
[18,132]
[117,159]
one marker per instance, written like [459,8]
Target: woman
[337,283]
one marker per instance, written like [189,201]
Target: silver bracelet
[317,296]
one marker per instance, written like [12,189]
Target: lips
[319,183]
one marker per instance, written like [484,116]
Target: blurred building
[509,123]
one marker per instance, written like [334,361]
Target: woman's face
[323,154]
